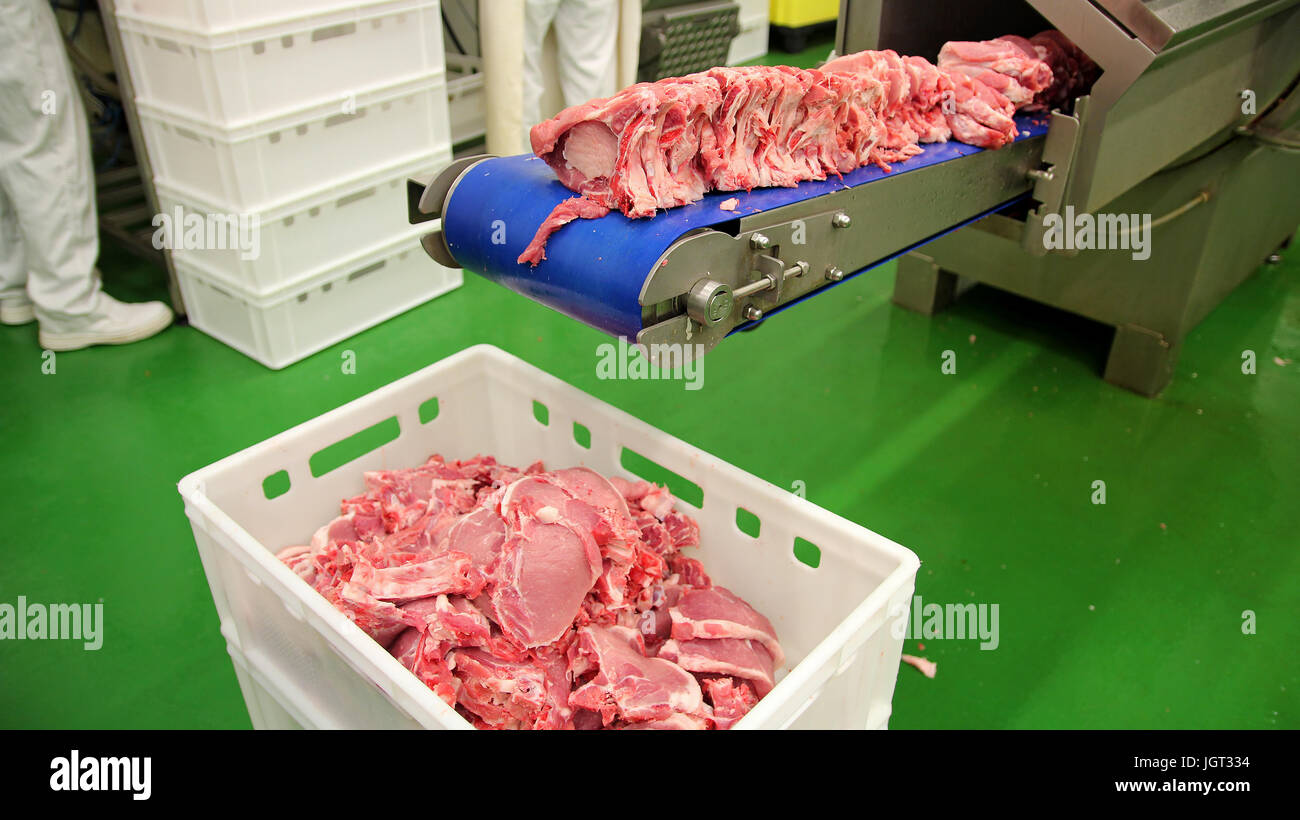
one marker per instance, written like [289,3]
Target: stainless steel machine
[1167,131]
[682,36]
[1193,122]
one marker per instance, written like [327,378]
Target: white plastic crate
[235,76]
[282,327]
[466,99]
[303,663]
[268,163]
[215,15]
[300,238]
[751,42]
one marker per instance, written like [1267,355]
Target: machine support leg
[1141,360]
[923,286]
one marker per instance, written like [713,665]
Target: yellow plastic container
[800,13]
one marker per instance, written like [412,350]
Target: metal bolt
[709,302]
[753,313]
[759,242]
[841,220]
[833,273]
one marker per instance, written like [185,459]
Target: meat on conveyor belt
[667,143]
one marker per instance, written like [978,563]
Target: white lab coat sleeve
[45,164]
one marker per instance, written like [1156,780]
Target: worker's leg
[45,161]
[47,175]
[13,258]
[587,34]
[15,305]
[537,20]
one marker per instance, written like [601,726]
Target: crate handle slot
[357,197]
[582,435]
[327,32]
[339,119]
[807,553]
[656,473]
[360,443]
[428,410]
[542,413]
[748,523]
[276,484]
[357,274]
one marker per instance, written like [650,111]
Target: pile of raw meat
[534,599]
[665,144]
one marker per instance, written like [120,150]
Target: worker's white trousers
[48,236]
[586,32]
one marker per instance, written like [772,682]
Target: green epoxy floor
[1124,615]
[1107,618]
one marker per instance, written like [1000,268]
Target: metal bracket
[425,201]
[1050,182]
[710,282]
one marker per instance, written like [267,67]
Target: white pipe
[629,42]
[501,39]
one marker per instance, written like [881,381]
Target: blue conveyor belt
[594,268]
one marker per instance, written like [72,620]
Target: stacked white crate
[305,117]
[751,42]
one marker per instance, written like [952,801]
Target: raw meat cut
[592,488]
[1009,65]
[503,693]
[724,656]
[927,667]
[731,699]
[529,599]
[717,613]
[627,684]
[424,658]
[665,144]
[543,576]
[982,116]
[676,721]
[480,535]
[1073,72]
[449,572]
[577,207]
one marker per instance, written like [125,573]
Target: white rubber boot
[110,323]
[17,310]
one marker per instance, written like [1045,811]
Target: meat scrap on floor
[668,143]
[536,599]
